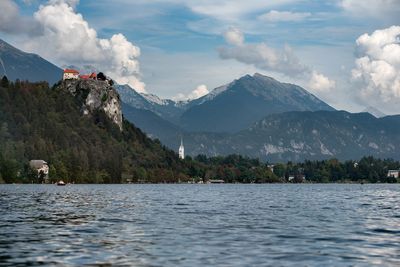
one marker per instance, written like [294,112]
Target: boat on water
[61,183]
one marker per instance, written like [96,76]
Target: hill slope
[16,64]
[151,123]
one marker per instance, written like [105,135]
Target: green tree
[4,82]
[279,170]
[9,170]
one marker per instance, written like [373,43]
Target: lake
[200,225]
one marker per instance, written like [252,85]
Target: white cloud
[167,74]
[261,55]
[372,8]
[71,3]
[378,67]
[223,10]
[9,12]
[283,61]
[200,91]
[12,22]
[228,10]
[234,36]
[283,16]
[68,39]
[320,83]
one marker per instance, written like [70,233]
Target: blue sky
[184,44]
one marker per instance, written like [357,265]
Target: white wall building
[41,167]
[70,74]
[393,173]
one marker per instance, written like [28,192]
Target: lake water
[200,225]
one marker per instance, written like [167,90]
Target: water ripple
[200,225]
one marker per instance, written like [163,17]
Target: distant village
[41,170]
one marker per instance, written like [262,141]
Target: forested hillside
[37,122]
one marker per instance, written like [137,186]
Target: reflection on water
[200,225]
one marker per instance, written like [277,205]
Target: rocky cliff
[96,95]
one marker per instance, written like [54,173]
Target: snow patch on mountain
[155,99]
[214,93]
[273,149]
[325,150]
[373,145]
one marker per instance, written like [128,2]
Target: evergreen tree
[4,82]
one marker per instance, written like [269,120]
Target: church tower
[181,150]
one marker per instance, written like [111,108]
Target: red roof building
[88,76]
[70,74]
[71,71]
[74,74]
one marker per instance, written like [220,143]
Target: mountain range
[255,115]
[297,136]
[246,101]
[229,108]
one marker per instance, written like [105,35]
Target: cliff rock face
[96,95]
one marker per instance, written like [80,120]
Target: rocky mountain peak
[263,77]
[96,95]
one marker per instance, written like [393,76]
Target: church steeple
[181,150]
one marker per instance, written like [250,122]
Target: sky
[346,52]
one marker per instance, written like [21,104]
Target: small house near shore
[42,169]
[296,178]
[393,173]
[216,181]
